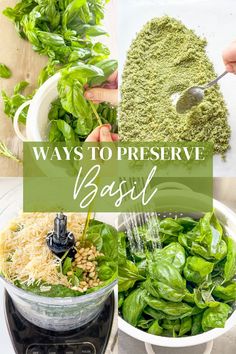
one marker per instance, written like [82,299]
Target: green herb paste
[167,58]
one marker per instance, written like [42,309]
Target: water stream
[140,237]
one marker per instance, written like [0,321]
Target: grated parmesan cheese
[24,254]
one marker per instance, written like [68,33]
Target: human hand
[229,57]
[108,92]
[102,134]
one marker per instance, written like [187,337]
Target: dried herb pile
[164,59]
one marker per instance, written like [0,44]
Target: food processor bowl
[56,314]
[228,219]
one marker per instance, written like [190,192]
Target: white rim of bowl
[39,97]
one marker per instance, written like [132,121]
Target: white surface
[213,19]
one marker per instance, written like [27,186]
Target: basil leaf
[145,324]
[5,72]
[203,299]
[67,265]
[215,317]
[108,67]
[20,87]
[185,326]
[226,292]
[197,269]
[151,286]
[95,239]
[121,298]
[157,315]
[52,40]
[230,264]
[128,275]
[92,31]
[105,271]
[78,272]
[55,134]
[169,283]
[180,309]
[66,130]
[73,101]
[171,325]
[71,14]
[196,324]
[133,306]
[155,329]
[173,253]
[82,72]
[170,227]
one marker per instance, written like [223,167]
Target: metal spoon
[194,95]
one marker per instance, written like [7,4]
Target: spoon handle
[216,80]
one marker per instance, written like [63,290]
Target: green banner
[117,177]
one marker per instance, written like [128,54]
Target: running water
[135,223]
[137,235]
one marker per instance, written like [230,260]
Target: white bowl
[37,123]
[228,219]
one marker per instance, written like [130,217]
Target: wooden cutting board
[25,64]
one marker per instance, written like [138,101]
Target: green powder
[167,58]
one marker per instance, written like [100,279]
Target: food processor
[42,325]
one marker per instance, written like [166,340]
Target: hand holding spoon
[194,95]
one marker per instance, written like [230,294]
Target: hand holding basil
[183,289]
[72,109]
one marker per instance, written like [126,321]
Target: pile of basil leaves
[104,238]
[65,32]
[183,289]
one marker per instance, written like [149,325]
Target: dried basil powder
[164,59]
